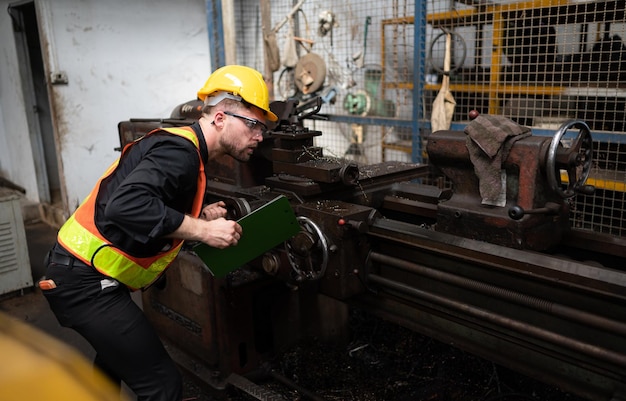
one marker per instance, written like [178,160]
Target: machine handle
[585,189]
[517,212]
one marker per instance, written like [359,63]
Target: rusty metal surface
[564,317]
[419,201]
[224,324]
[133,129]
[366,189]
[321,170]
[193,324]
[596,242]
[526,187]
[528,293]
[297,156]
[343,225]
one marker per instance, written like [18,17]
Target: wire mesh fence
[540,63]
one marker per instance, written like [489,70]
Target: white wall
[123,59]
[15,154]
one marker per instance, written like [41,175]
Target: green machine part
[368,102]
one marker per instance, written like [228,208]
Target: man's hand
[221,233]
[213,211]
[218,232]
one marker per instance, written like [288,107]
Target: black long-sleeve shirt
[148,195]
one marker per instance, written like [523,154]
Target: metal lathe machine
[509,281]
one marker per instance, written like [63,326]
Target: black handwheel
[307,251]
[575,159]
[458,63]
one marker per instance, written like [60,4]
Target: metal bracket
[59,78]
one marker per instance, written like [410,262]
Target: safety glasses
[255,125]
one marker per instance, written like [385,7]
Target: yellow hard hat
[59,371]
[243,82]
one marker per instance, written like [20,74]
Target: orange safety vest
[80,236]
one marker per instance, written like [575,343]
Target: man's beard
[230,149]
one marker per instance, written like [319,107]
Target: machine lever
[358,225]
[585,189]
[309,108]
[517,212]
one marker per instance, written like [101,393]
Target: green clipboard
[263,229]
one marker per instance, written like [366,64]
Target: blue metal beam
[215,30]
[419,65]
[352,119]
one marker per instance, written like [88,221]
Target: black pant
[127,346]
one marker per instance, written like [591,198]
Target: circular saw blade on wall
[310,73]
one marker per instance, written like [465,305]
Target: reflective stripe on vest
[80,236]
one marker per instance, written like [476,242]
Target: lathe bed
[513,283]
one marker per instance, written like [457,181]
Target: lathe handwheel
[577,158]
[307,251]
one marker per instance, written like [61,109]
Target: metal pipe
[554,309]
[521,327]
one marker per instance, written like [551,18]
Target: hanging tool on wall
[359,57]
[269,39]
[327,22]
[292,53]
[310,73]
[367,101]
[444,104]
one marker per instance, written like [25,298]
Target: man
[132,225]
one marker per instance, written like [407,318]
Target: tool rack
[497,86]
